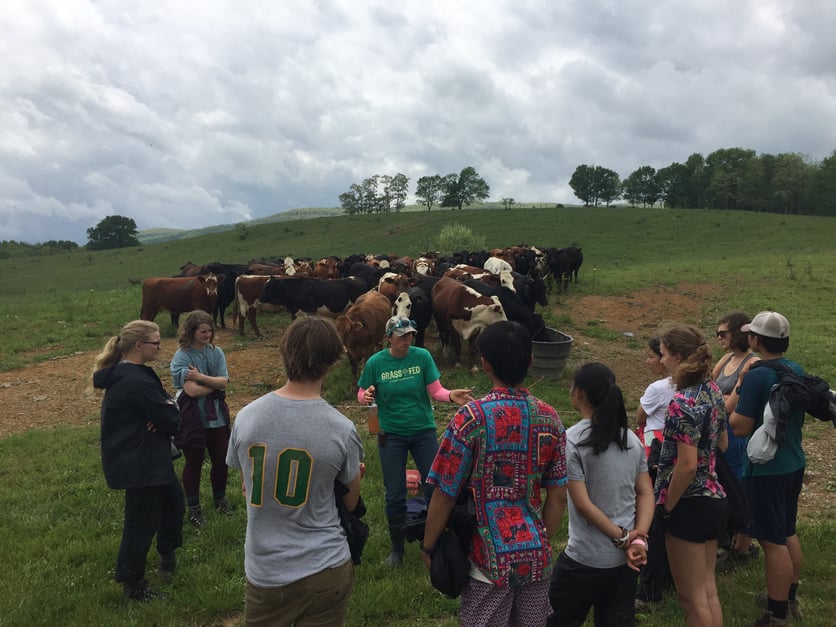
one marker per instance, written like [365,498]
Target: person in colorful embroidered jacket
[691,500]
[503,447]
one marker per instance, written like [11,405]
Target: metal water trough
[551,351]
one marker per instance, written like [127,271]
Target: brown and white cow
[248,290]
[461,313]
[178,295]
[362,328]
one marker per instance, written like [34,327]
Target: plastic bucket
[550,348]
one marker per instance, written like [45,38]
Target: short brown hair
[734,321]
[688,342]
[310,346]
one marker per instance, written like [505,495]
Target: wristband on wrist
[640,541]
[428,550]
[622,541]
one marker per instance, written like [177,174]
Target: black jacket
[133,456]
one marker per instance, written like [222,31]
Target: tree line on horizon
[728,178]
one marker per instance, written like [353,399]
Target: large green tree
[595,184]
[465,188]
[642,187]
[429,190]
[112,232]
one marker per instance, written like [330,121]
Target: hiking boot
[140,592]
[196,516]
[223,506]
[166,566]
[793,606]
[768,620]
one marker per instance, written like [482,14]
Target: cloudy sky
[185,114]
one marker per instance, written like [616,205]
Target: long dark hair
[609,419]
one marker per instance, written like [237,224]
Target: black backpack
[793,392]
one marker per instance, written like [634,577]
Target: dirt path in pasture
[54,392]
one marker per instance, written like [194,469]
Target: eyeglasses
[157,343]
[723,333]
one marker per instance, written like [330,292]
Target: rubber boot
[397,529]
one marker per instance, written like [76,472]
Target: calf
[362,328]
[461,313]
[178,295]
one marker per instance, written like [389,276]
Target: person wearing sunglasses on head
[137,422]
[403,380]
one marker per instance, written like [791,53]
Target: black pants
[655,578]
[148,511]
[575,589]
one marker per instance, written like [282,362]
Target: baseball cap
[768,324]
[399,325]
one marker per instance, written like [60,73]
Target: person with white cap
[773,487]
[402,379]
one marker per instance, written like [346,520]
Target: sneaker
[643,606]
[166,566]
[793,606]
[768,620]
[196,516]
[223,506]
[725,562]
[140,592]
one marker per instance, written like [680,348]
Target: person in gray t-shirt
[610,507]
[291,446]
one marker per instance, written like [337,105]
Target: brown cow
[326,268]
[363,326]
[179,295]
[391,284]
[248,290]
[461,313]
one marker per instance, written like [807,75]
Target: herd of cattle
[463,292]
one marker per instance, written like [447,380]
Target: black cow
[349,261]
[323,296]
[564,264]
[369,274]
[531,291]
[416,304]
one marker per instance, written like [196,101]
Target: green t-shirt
[403,405]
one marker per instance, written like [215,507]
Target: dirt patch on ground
[56,391]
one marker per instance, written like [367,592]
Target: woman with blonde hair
[691,501]
[199,372]
[137,421]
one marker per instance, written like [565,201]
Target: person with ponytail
[610,508]
[138,420]
[691,501]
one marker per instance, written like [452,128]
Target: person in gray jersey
[610,508]
[291,446]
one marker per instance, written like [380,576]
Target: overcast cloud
[186,114]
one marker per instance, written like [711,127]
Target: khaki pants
[320,600]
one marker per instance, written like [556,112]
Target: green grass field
[63,525]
